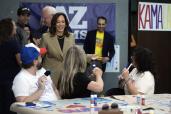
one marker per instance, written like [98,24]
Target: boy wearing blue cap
[30,84]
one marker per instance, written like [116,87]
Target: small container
[92,101]
[170,105]
[138,100]
[143,100]
[151,112]
[95,100]
[92,110]
[139,111]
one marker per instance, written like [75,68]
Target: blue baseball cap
[28,55]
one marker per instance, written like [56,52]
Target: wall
[9,8]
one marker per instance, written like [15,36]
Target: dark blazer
[108,44]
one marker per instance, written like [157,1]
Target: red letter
[140,11]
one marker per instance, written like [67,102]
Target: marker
[129,66]
[76,103]
[30,104]
[113,97]
[149,108]
[120,76]
[47,73]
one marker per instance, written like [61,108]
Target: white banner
[154,16]
[114,65]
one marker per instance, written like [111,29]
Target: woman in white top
[141,79]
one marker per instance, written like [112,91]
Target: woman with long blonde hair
[73,83]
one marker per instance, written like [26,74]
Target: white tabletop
[160,102]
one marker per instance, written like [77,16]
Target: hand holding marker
[129,66]
[120,76]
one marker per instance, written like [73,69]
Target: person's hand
[41,82]
[120,77]
[91,57]
[105,59]
[97,72]
[125,73]
[94,57]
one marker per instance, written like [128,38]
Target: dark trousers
[6,98]
[104,67]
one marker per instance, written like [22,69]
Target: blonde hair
[75,61]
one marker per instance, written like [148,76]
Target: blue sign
[82,16]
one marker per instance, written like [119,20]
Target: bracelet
[126,81]
[41,88]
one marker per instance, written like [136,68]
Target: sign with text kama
[154,16]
